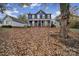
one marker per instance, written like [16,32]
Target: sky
[14,9]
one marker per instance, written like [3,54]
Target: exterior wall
[72,18]
[17,24]
[7,21]
[39,19]
[0,25]
[57,24]
[38,16]
[39,23]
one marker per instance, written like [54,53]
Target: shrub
[6,26]
[52,25]
[28,26]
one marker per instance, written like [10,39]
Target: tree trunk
[64,7]
[63,29]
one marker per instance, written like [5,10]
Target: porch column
[45,23]
[32,23]
[28,24]
[31,16]
[37,23]
[50,23]
[41,23]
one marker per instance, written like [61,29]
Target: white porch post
[28,23]
[50,23]
[33,23]
[41,23]
[45,23]
[37,23]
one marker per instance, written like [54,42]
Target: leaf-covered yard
[36,41]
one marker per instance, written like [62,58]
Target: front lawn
[74,30]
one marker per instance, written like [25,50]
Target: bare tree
[23,18]
[64,8]
[2,7]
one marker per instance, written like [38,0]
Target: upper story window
[30,16]
[43,16]
[48,16]
[33,16]
[38,16]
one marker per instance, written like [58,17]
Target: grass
[4,29]
[74,30]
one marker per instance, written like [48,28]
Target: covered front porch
[39,23]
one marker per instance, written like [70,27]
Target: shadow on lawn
[71,41]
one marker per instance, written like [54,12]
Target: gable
[40,12]
[8,19]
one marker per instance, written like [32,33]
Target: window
[38,17]
[33,16]
[30,16]
[43,16]
[7,22]
[48,16]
